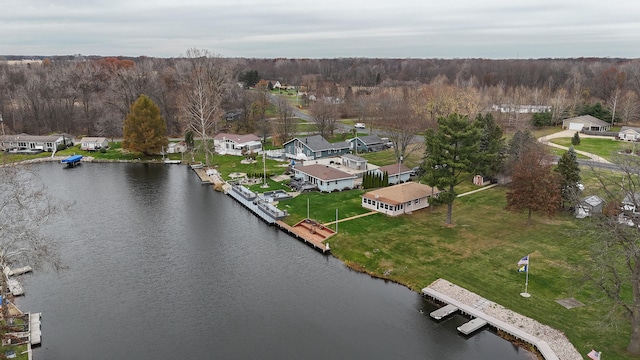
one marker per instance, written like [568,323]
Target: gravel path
[555,338]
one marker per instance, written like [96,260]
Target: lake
[162,267]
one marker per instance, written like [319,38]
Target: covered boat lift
[72,161]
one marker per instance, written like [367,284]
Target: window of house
[22,144]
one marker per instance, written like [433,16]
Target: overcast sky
[496,29]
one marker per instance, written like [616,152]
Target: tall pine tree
[452,150]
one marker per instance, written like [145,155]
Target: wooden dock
[202,174]
[313,235]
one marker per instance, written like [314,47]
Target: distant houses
[363,144]
[397,173]
[399,199]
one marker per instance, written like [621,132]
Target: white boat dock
[443,312]
[472,326]
[34,329]
[481,319]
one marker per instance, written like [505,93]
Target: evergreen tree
[385,179]
[144,129]
[569,171]
[452,150]
[575,140]
[492,146]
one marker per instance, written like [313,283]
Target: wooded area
[92,95]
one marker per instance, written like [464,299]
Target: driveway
[569,134]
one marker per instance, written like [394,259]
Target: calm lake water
[161,267]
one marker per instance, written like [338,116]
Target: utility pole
[2,124]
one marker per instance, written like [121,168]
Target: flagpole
[526,281]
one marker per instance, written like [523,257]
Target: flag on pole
[523,268]
[524,261]
[594,355]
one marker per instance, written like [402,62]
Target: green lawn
[605,148]
[479,253]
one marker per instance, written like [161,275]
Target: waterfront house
[397,173]
[363,144]
[313,147]
[631,204]
[628,133]
[585,122]
[399,199]
[93,143]
[34,143]
[325,178]
[234,144]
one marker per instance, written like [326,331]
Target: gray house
[34,143]
[363,144]
[313,147]
[397,173]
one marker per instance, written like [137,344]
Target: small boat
[169,161]
[197,165]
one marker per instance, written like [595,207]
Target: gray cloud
[305,28]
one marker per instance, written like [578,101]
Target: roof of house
[238,139]
[368,140]
[318,143]
[88,139]
[354,157]
[394,169]
[630,128]
[587,120]
[27,137]
[401,193]
[324,172]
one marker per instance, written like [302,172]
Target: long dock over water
[550,343]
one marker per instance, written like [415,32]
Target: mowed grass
[605,148]
[479,253]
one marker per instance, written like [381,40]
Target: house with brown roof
[399,199]
[397,173]
[234,144]
[325,178]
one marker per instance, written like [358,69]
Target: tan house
[399,199]
[93,143]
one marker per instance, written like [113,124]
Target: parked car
[359,126]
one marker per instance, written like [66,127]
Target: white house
[399,199]
[93,143]
[629,133]
[234,144]
[26,142]
[397,173]
[324,177]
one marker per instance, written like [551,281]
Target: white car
[359,126]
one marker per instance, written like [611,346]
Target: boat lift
[72,161]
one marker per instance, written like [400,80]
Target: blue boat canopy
[72,159]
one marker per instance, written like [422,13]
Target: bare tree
[325,114]
[399,123]
[204,79]
[614,264]
[24,207]
[285,126]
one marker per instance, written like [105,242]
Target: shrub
[576,139]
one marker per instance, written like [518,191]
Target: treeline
[84,95]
